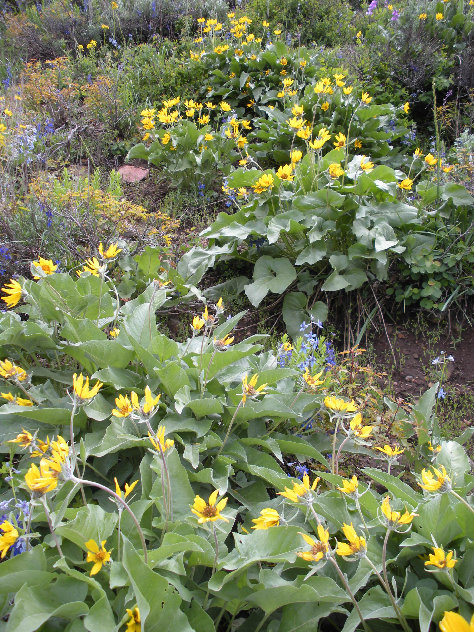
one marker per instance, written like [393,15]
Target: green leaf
[375,604]
[27,568]
[398,488]
[458,194]
[90,522]
[455,460]
[270,275]
[335,282]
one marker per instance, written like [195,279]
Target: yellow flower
[295,122]
[335,170]
[158,441]
[358,429]
[305,132]
[319,548]
[19,401]
[40,480]
[8,536]
[356,544]
[359,34]
[418,152]
[313,380]
[300,489]
[124,406]
[128,488]
[268,518]
[114,5]
[365,98]
[248,388]
[340,405]
[225,107]
[435,481]
[430,160]
[13,292]
[285,172]
[134,623]
[12,371]
[198,323]
[111,252]
[81,388]
[366,166]
[348,90]
[223,343]
[448,168]
[357,143]
[7,112]
[264,183]
[59,450]
[92,266]
[349,487]
[113,333]
[422,16]
[325,106]
[439,16]
[277,31]
[208,137]
[96,555]
[440,559]
[104,26]
[24,439]
[296,156]
[150,401]
[454,622]
[406,184]
[209,512]
[395,518]
[406,107]
[303,63]
[297,110]
[46,265]
[91,44]
[389,451]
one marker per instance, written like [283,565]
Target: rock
[408,378]
[133,174]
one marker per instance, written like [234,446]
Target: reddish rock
[133,174]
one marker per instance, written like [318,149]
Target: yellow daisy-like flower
[430,160]
[124,406]
[209,512]
[24,439]
[322,138]
[389,451]
[406,107]
[128,488]
[92,266]
[225,107]
[111,252]
[454,622]
[366,165]
[440,559]
[436,481]
[248,387]
[319,548]
[134,623]
[325,106]
[198,323]
[422,16]
[8,536]
[150,401]
[97,555]
[113,333]
[158,441]
[348,90]
[439,16]
[295,156]
[340,405]
[40,480]
[285,172]
[268,518]
[13,291]
[9,371]
[223,343]
[295,122]
[300,489]
[340,140]
[313,380]
[349,487]
[45,265]
[356,544]
[297,110]
[81,387]
[365,98]
[358,429]
[418,152]
[406,184]
[264,183]
[335,170]
[395,518]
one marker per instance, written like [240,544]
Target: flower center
[209,511]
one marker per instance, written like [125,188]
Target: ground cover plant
[192,436]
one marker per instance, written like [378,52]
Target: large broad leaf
[375,604]
[157,601]
[270,275]
[27,568]
[91,522]
[295,311]
[305,617]
[35,605]
[398,488]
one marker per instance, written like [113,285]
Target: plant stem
[207,371]
[164,467]
[339,453]
[230,426]
[73,446]
[214,566]
[386,585]
[359,509]
[333,459]
[461,499]
[349,592]
[123,503]
[50,525]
